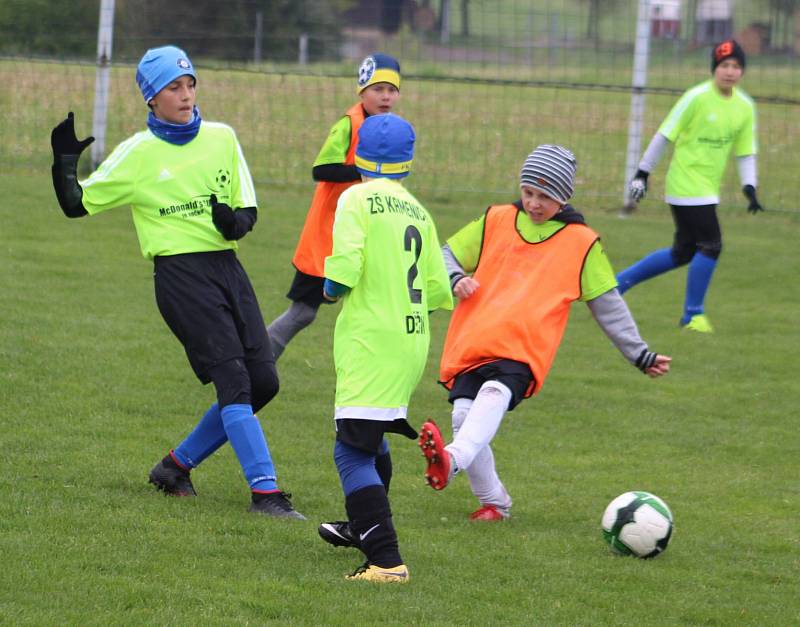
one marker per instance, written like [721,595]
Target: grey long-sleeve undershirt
[609,310]
[613,316]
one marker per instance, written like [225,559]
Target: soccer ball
[637,523]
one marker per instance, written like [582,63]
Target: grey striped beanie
[550,169]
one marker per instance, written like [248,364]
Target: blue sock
[701,269]
[248,442]
[356,468]
[207,437]
[655,263]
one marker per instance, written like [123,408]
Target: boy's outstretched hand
[63,139]
[660,367]
[466,287]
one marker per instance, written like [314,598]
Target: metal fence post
[641,54]
[105,35]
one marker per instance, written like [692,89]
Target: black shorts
[367,435]
[209,304]
[306,288]
[695,225]
[515,375]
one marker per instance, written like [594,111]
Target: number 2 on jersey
[413,235]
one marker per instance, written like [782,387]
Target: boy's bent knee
[711,249]
[264,383]
[302,314]
[232,382]
[682,254]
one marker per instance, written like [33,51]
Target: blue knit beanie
[385,146]
[159,67]
[378,68]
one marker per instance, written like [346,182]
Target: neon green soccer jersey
[704,125]
[335,148]
[168,188]
[597,275]
[385,248]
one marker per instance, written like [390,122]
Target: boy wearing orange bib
[516,271]
[335,171]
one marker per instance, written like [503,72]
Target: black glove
[638,186]
[63,140]
[750,192]
[232,224]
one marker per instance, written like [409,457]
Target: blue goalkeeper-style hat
[159,67]
[385,146]
[378,68]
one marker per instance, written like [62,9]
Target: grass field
[94,390]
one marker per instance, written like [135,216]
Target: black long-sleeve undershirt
[335,173]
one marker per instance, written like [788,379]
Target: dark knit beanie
[550,169]
[728,49]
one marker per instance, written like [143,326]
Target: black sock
[371,522]
[383,464]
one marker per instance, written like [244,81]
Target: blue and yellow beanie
[385,146]
[159,67]
[378,68]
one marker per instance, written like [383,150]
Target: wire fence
[481,92]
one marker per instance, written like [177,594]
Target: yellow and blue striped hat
[378,68]
[385,146]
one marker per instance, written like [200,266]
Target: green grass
[94,390]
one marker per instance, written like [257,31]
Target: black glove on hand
[638,186]
[232,224]
[63,140]
[223,217]
[750,192]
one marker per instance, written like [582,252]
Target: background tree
[46,27]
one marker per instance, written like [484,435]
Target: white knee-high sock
[482,474]
[480,424]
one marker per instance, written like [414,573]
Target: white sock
[482,474]
[480,423]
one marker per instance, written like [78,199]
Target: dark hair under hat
[728,49]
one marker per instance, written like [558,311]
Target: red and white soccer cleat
[430,441]
[490,513]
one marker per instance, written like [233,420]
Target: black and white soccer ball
[638,524]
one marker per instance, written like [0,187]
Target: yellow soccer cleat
[378,574]
[699,323]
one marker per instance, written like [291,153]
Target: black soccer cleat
[276,504]
[338,533]
[173,480]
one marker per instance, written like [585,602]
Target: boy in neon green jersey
[709,121]
[183,177]
[387,266]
